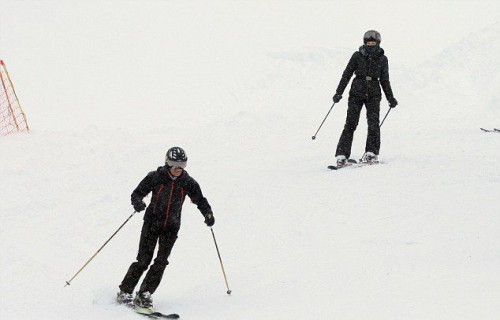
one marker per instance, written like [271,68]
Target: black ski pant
[354,107]
[147,247]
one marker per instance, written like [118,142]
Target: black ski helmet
[176,157]
[372,35]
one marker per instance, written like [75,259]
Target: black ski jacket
[372,65]
[164,210]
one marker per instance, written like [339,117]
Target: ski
[353,164]
[150,313]
[490,130]
[349,163]
[154,314]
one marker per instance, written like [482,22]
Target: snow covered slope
[108,87]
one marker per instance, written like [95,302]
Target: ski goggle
[176,164]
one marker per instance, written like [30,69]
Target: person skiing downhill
[371,67]
[169,185]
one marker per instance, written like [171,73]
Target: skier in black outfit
[169,186]
[372,70]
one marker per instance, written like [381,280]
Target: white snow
[109,86]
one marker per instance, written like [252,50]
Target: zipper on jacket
[158,195]
[369,72]
[168,205]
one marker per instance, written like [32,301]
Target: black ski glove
[393,102]
[139,206]
[209,219]
[337,97]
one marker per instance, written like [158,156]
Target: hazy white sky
[429,27]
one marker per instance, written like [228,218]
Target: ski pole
[314,137]
[88,261]
[385,117]
[220,259]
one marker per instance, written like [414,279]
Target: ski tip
[332,167]
[154,314]
[490,130]
[159,315]
[167,316]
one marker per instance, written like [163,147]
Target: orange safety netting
[12,117]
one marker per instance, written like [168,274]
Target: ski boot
[341,161]
[124,298]
[143,300]
[369,157]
